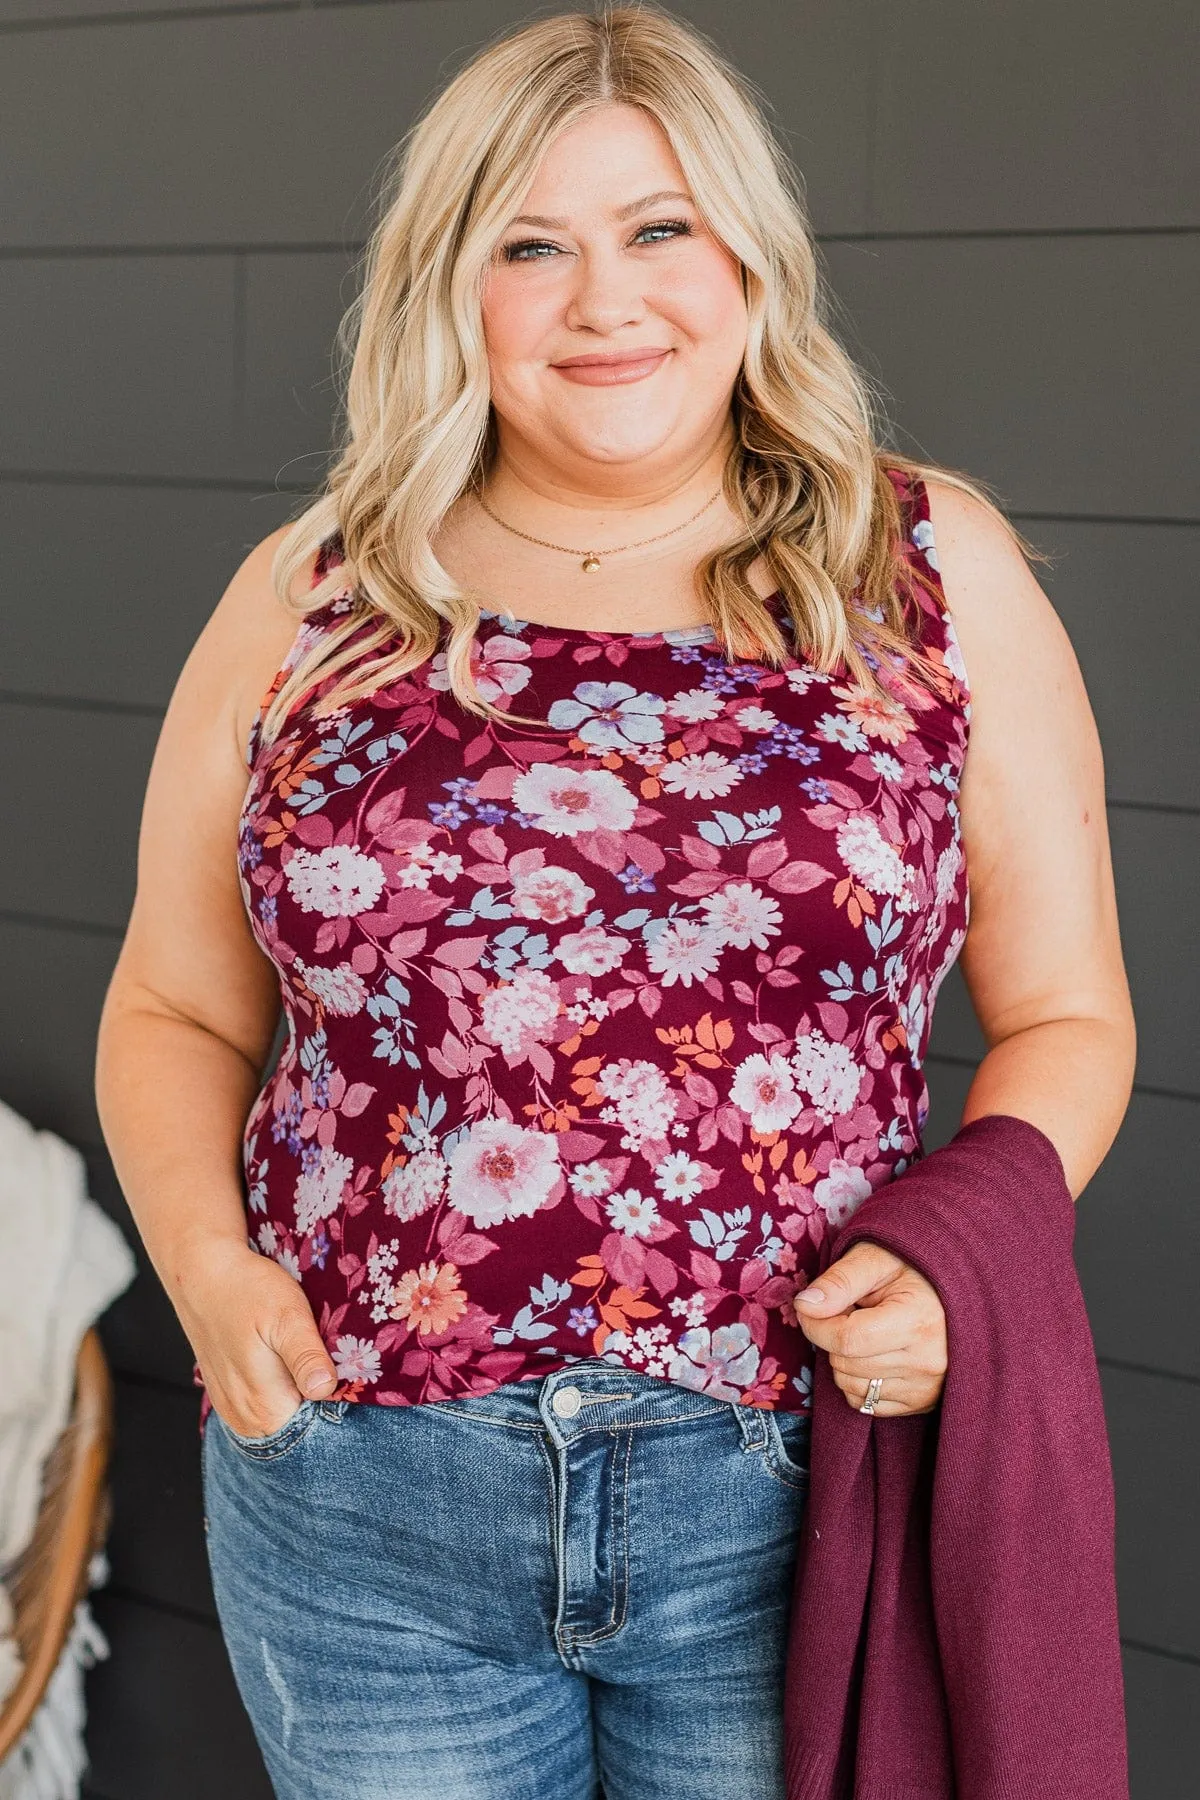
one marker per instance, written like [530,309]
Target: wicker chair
[51,1575]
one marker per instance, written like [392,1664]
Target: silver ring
[873,1390]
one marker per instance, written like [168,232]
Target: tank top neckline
[675,635]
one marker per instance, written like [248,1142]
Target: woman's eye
[537,249]
[676,228]
[516,252]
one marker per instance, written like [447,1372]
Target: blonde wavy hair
[804,473]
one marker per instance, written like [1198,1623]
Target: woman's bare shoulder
[999,608]
[247,637]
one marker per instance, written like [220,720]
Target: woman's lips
[611,371]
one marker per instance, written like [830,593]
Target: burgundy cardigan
[954,1615]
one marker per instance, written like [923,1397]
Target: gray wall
[1008,195]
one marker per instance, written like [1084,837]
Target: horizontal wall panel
[270,126]
[54,987]
[109,587]
[72,794]
[292,308]
[1015,115]
[1127,596]
[1162,1706]
[55,15]
[116,364]
[164,1715]
[1154,1432]
[1155,860]
[140,1330]
[156,1544]
[1060,370]
[1137,1228]
[1137,1239]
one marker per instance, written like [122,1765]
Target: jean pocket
[274,1444]
[787,1451]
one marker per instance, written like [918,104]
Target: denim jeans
[576,1580]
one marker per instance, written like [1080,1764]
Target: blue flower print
[611,715]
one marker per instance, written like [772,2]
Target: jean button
[566,1402]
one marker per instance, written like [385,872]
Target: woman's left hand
[878,1316]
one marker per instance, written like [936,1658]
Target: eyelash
[679,227]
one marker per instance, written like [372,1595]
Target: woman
[607,835]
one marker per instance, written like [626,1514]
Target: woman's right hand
[253,1334]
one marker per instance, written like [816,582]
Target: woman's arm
[189,1019]
[1042,957]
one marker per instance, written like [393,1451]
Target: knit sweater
[954,1617]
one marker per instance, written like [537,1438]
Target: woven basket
[51,1575]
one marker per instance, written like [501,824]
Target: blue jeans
[577,1580]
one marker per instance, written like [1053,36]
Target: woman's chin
[631,442]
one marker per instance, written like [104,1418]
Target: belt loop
[753,1423]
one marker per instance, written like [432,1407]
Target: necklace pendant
[591,563]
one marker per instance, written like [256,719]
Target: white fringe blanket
[65,1261]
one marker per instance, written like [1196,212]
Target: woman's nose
[606,294]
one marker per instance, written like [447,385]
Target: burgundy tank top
[597,1031]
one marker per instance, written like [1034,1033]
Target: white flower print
[741,914]
[500,1171]
[380,1282]
[679,1177]
[836,728]
[338,881]
[319,1192]
[841,1192]
[591,952]
[590,1179]
[443,865]
[610,715]
[268,1239]
[952,651]
[922,537]
[413,1187]
[764,1088]
[913,1009]
[417,872]
[701,777]
[696,706]
[633,1213]
[871,859]
[693,1308]
[356,1359]
[683,951]
[756,718]
[339,990]
[643,1101]
[551,894]
[567,801]
[520,1013]
[889,767]
[827,1073]
[948,865]
[720,1362]
[800,680]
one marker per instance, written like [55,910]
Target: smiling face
[614,320]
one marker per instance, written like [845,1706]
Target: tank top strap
[312,626]
[924,591]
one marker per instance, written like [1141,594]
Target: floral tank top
[598,1029]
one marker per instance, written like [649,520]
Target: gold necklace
[590,559]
